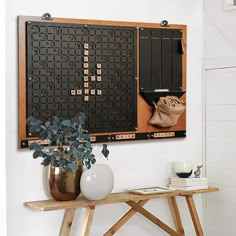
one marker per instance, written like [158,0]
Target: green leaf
[56,120]
[87,145]
[44,134]
[105,151]
[46,162]
[65,141]
[37,154]
[47,124]
[51,149]
[33,145]
[88,165]
[43,127]
[82,118]
[62,163]
[36,147]
[75,152]
[59,139]
[33,121]
[72,166]
[75,144]
[75,134]
[66,123]
[88,152]
[85,137]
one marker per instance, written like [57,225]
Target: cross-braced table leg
[152,218]
[194,215]
[88,221]
[176,216]
[67,222]
[123,219]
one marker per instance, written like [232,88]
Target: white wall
[220,116]
[133,163]
[3,207]
[220,35]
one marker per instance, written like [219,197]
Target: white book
[189,184]
[187,188]
[189,181]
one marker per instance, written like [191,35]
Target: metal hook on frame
[164,23]
[46,16]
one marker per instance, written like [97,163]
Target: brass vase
[64,185]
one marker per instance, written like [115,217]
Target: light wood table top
[50,205]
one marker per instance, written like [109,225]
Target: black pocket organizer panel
[160,63]
[74,68]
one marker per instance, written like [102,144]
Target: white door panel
[220,123]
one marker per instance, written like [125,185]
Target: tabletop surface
[50,204]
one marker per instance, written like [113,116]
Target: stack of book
[188,183]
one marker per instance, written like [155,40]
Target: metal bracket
[46,16]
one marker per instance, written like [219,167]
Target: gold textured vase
[64,185]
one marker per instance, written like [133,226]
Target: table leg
[88,221]
[194,215]
[123,219]
[176,216]
[67,222]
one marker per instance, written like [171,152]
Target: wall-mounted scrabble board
[111,71]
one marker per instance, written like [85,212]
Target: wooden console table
[135,201]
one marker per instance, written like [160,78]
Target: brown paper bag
[167,111]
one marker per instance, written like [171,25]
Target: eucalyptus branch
[73,144]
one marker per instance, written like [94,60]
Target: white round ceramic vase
[97,182]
